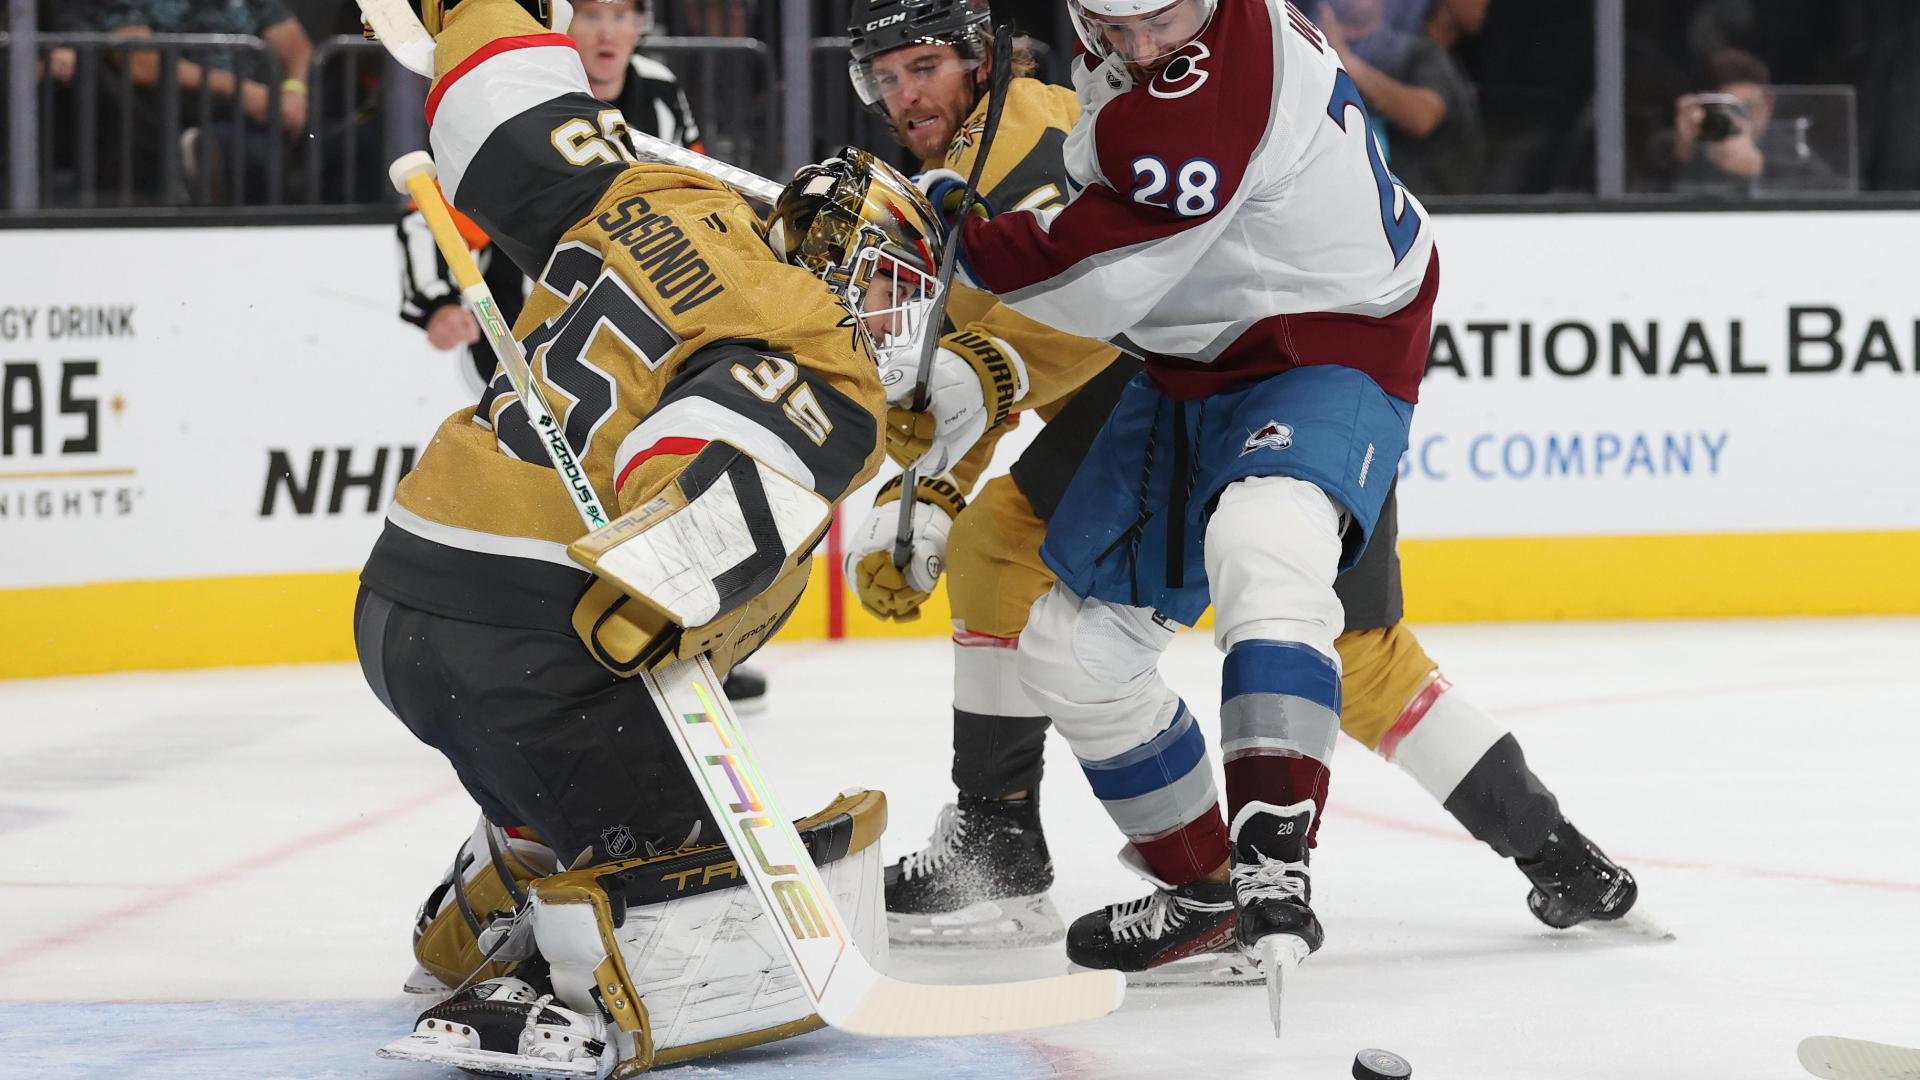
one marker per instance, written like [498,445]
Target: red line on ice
[157,897]
[1383,821]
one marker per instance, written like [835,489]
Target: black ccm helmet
[881,26]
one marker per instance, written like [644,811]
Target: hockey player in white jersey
[1236,227]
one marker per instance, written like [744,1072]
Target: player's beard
[929,141]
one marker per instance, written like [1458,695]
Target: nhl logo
[1274,435]
[619,842]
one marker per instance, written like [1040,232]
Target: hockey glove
[972,386]
[881,587]
[946,189]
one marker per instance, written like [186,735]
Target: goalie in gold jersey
[985,875]
[703,366]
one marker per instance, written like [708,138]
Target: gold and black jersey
[1027,170]
[659,321]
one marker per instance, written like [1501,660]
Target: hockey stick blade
[895,1008]
[989,127]
[1834,1058]
[845,989]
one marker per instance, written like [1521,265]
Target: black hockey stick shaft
[949,260]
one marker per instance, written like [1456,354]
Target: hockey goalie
[717,381]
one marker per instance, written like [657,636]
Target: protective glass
[1139,32]
[892,73]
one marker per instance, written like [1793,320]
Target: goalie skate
[503,1027]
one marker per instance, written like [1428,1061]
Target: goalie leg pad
[682,959]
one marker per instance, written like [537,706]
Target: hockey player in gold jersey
[984,876]
[701,364]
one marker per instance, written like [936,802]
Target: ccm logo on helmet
[888,21]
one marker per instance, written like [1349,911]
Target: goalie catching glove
[973,384]
[882,588]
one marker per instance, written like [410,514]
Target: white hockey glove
[973,384]
[881,587]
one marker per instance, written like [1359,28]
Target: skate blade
[1211,969]
[422,981]
[1010,922]
[1279,955]
[435,1051]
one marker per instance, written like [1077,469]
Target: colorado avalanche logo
[1183,74]
[1274,436]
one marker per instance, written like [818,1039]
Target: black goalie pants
[540,735]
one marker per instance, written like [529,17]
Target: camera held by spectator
[1725,141]
[1722,116]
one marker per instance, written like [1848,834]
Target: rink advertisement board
[199,431]
[1624,415]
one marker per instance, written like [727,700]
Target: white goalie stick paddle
[1834,1058]
[844,988]
[990,125]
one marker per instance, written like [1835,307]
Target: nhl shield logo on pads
[1274,435]
[619,841]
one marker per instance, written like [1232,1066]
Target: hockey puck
[1380,1065]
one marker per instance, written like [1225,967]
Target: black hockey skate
[1171,936]
[1273,892]
[1574,882]
[982,879]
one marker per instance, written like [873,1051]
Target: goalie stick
[936,318]
[1834,1058]
[843,987]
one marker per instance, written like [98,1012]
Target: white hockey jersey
[1234,218]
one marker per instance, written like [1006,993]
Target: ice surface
[212,874]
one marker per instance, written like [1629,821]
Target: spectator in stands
[219,72]
[233,79]
[1725,142]
[1416,89]
[714,18]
